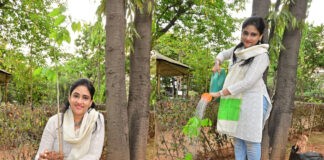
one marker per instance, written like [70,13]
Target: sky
[83,10]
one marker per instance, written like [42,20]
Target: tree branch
[182,9]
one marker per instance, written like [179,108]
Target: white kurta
[252,88]
[49,140]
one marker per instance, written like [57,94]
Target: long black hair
[260,25]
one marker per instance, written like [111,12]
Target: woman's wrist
[221,93]
[217,61]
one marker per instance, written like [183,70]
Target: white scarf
[79,139]
[237,72]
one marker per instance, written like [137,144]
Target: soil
[309,142]
[314,142]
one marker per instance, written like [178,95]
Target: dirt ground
[310,142]
[24,152]
[314,143]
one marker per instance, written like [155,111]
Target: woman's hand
[216,67]
[50,155]
[215,94]
[223,92]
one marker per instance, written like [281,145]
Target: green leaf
[45,72]
[51,75]
[57,11]
[206,122]
[53,34]
[66,35]
[191,129]
[38,72]
[59,20]
[188,156]
[59,38]
[76,26]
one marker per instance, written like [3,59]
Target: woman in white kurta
[83,128]
[244,84]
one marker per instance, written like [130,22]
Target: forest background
[33,34]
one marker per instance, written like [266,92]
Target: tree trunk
[286,83]
[116,103]
[139,91]
[261,8]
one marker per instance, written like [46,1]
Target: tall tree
[261,8]
[116,103]
[283,105]
[139,90]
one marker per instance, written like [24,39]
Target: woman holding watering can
[245,90]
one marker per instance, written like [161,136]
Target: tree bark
[286,83]
[261,8]
[116,103]
[139,91]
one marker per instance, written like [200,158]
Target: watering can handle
[207,97]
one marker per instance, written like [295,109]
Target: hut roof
[166,66]
[4,76]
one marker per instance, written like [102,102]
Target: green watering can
[217,81]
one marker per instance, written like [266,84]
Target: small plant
[192,128]
[188,156]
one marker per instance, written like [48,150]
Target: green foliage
[28,48]
[59,33]
[192,128]
[209,20]
[57,11]
[153,95]
[310,60]
[23,27]
[45,72]
[188,156]
[90,61]
[279,21]
[172,115]
[76,26]
[59,20]
[194,38]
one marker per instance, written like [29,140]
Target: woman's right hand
[216,67]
